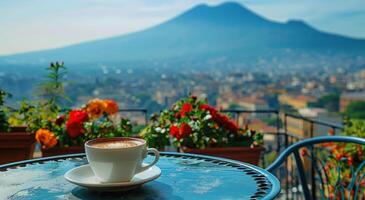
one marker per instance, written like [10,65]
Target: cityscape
[309,76]
[234,86]
[227,79]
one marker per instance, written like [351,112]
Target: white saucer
[83,176]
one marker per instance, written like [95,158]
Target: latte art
[118,159]
[116,144]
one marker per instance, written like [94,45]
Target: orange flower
[95,108]
[111,107]
[46,138]
[304,152]
[338,156]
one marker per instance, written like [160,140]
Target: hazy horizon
[38,25]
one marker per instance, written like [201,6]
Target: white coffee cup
[118,159]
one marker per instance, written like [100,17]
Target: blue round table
[184,176]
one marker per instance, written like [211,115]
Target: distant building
[252,103]
[297,102]
[259,125]
[347,98]
[312,112]
[362,74]
[304,128]
[249,103]
[297,126]
[333,80]
[165,98]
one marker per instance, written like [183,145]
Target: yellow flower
[95,108]
[46,138]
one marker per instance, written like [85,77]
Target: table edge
[274,192]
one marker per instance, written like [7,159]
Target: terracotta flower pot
[244,154]
[56,151]
[16,145]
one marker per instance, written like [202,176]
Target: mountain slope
[203,32]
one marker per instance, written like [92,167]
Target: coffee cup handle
[145,167]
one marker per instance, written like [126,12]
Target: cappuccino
[118,159]
[116,144]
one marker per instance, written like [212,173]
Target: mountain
[228,30]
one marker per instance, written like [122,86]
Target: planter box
[16,145]
[244,154]
[57,151]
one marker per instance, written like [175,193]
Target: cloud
[36,24]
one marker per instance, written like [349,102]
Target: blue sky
[27,25]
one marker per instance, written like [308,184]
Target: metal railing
[284,136]
[142,111]
[281,133]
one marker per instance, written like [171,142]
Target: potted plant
[68,132]
[15,142]
[193,126]
[31,115]
[156,132]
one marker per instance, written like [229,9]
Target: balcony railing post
[313,180]
[237,117]
[287,167]
[285,126]
[278,136]
[286,162]
[145,117]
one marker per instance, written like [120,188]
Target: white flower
[163,130]
[207,117]
[194,125]
[88,123]
[158,129]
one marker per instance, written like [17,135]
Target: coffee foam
[116,144]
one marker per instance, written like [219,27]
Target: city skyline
[57,24]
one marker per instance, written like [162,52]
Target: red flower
[231,126]
[184,131]
[328,144]
[74,125]
[350,160]
[209,108]
[186,107]
[223,120]
[327,167]
[174,130]
[60,119]
[177,115]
